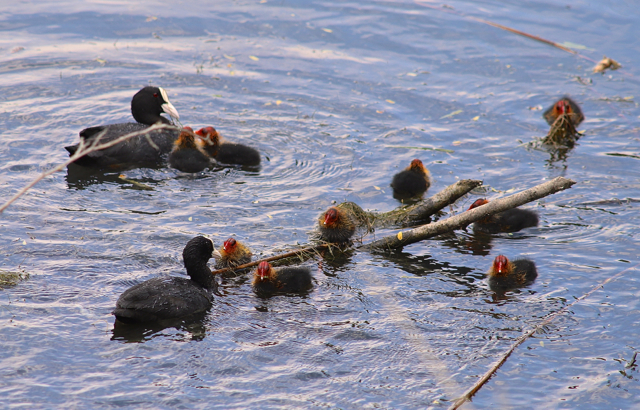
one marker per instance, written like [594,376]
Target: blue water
[334,95]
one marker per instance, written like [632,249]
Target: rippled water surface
[337,96]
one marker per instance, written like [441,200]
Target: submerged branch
[420,233]
[83,150]
[474,389]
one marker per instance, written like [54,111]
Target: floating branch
[474,389]
[402,216]
[84,149]
[423,232]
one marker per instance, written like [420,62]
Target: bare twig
[404,238]
[522,33]
[469,393]
[83,149]
[500,26]
[297,252]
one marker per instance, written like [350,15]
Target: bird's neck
[201,274]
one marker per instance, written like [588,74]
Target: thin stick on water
[84,149]
[502,27]
[485,378]
[290,254]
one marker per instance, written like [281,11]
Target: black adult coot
[411,182]
[511,220]
[337,224]
[269,280]
[565,106]
[227,152]
[146,107]
[172,297]
[232,254]
[505,274]
[186,155]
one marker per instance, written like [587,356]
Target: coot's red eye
[155,95]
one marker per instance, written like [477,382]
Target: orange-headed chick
[564,106]
[227,152]
[186,155]
[412,182]
[209,140]
[336,225]
[511,220]
[505,274]
[232,254]
[269,280]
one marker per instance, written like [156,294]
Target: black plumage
[269,280]
[172,297]
[146,107]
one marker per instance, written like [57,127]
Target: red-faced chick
[227,152]
[270,280]
[232,254]
[564,106]
[511,220]
[505,274]
[186,156]
[412,182]
[336,225]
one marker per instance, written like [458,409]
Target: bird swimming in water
[227,152]
[172,297]
[270,280]
[186,155]
[232,254]
[511,220]
[146,107]
[505,274]
[411,182]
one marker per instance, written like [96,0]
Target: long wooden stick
[500,26]
[469,393]
[83,150]
[401,216]
[437,228]
[423,232]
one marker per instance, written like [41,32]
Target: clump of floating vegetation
[9,278]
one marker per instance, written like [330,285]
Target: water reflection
[79,177]
[474,243]
[195,326]
[336,260]
[426,265]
